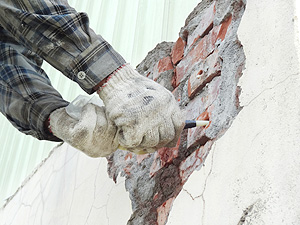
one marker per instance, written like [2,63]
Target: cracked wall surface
[68,188]
[235,63]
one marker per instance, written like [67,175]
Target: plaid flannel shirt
[35,30]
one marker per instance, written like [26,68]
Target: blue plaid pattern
[33,31]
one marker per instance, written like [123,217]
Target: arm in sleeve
[60,35]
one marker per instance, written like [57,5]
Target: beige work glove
[146,114]
[94,134]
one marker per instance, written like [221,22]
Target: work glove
[94,134]
[147,115]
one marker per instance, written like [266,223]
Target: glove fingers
[93,134]
[166,132]
[151,138]
[128,137]
[106,128]
[178,121]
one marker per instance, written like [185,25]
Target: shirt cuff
[94,64]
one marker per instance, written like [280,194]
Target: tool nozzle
[195,123]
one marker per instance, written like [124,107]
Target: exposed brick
[178,50]
[174,85]
[208,69]
[224,28]
[195,108]
[162,157]
[165,64]
[202,50]
[161,66]
[213,91]
[197,136]
[194,161]
[202,102]
[180,73]
[205,25]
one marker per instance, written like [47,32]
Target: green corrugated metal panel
[133,27]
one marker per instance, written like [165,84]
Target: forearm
[61,36]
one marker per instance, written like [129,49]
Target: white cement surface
[256,164]
[70,188]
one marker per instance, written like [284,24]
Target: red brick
[208,70]
[213,91]
[197,136]
[202,102]
[180,74]
[194,161]
[205,25]
[165,64]
[202,50]
[161,66]
[173,81]
[195,108]
[224,28]
[178,50]
[162,157]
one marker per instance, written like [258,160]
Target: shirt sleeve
[61,36]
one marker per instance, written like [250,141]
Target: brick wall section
[201,69]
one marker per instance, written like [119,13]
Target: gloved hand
[146,114]
[94,134]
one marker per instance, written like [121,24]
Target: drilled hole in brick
[199,74]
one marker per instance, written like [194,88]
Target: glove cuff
[53,120]
[116,80]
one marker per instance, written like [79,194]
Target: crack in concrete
[106,211]
[28,178]
[193,198]
[270,88]
[95,188]
[205,184]
[73,194]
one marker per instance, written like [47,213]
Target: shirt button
[81,75]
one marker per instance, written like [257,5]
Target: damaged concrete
[207,43]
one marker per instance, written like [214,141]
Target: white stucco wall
[257,162]
[254,167]
[69,188]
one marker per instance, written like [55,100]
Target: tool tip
[201,123]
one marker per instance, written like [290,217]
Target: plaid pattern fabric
[33,30]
